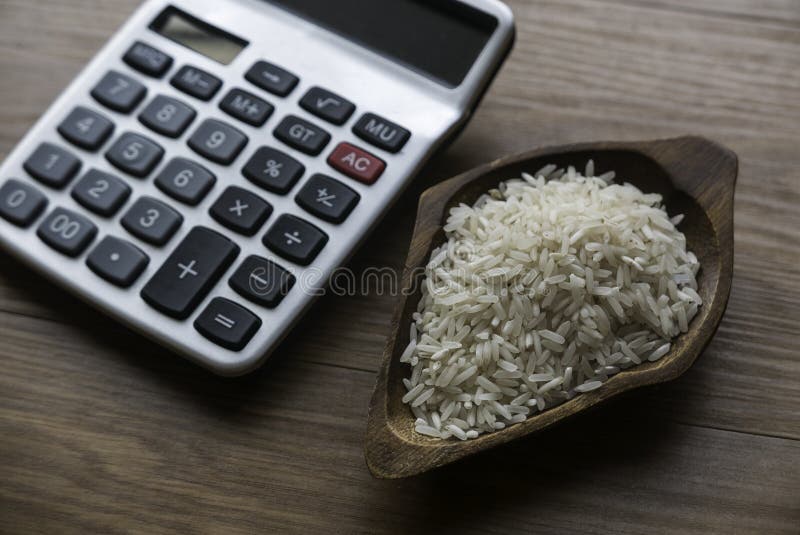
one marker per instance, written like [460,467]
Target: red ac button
[356,163]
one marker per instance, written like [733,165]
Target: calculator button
[273,170]
[185,181]
[167,116]
[196,82]
[227,324]
[147,60]
[119,92]
[135,154]
[261,281]
[272,78]
[381,132]
[302,135]
[327,198]
[86,129]
[152,221]
[21,203]
[190,272]
[52,165]
[356,163]
[217,141]
[295,239]
[246,107]
[67,232]
[101,193]
[327,105]
[117,261]
[241,211]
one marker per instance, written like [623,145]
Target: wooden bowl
[695,176]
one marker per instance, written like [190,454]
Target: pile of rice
[544,289]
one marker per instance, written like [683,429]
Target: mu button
[356,163]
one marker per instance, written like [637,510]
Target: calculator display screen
[439,38]
[198,35]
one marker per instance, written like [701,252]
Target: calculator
[218,160]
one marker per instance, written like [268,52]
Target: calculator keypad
[86,129]
[119,92]
[201,259]
[295,239]
[302,135]
[168,116]
[272,78]
[327,198]
[67,232]
[147,60]
[273,170]
[185,181]
[193,268]
[101,192]
[195,82]
[327,105]
[52,166]
[246,107]
[21,204]
[152,221]
[217,141]
[241,211]
[135,154]
[117,261]
[261,281]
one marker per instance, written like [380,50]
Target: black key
[117,261]
[273,170]
[196,82]
[100,192]
[86,128]
[261,281]
[67,232]
[119,92]
[241,211]
[152,221]
[302,135]
[295,239]
[190,272]
[381,132]
[185,181]
[135,154]
[52,166]
[327,198]
[327,105]
[272,78]
[246,107]
[20,203]
[217,141]
[227,324]
[147,60]
[167,116]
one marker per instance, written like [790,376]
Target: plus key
[356,163]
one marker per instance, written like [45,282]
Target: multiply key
[190,272]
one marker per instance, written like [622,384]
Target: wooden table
[102,431]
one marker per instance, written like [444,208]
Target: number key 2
[101,192]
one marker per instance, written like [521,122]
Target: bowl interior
[630,166]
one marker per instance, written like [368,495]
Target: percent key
[273,170]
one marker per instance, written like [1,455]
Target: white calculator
[205,174]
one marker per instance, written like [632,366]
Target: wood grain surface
[104,432]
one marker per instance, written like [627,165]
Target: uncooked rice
[545,288]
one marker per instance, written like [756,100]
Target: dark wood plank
[99,444]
